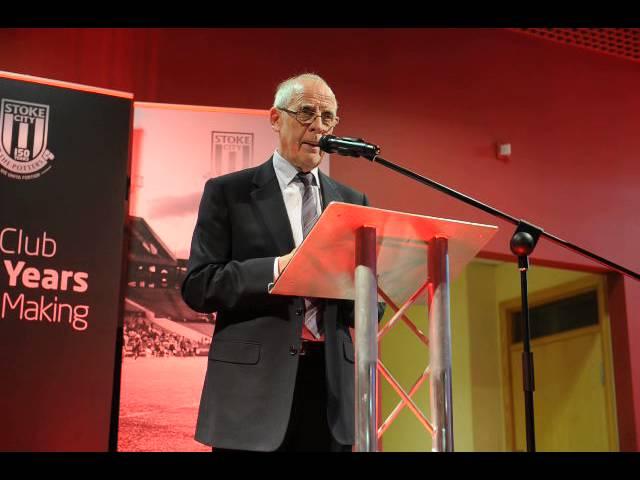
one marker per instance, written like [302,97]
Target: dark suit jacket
[248,390]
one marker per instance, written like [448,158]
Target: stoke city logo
[230,151]
[24,128]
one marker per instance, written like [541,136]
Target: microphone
[349,147]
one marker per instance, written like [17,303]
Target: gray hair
[289,87]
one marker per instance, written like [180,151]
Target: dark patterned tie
[310,214]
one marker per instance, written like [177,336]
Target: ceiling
[618,42]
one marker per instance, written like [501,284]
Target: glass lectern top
[324,264]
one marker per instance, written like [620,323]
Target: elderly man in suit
[280,375]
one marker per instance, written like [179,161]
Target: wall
[435,100]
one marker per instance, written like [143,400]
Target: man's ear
[274,117]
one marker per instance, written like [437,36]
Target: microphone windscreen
[325,142]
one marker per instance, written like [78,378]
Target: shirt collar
[286,172]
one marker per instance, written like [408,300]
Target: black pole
[497,213]
[528,384]
[522,244]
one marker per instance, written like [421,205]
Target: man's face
[298,142]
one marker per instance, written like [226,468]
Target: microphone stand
[522,244]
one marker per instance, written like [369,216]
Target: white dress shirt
[292,192]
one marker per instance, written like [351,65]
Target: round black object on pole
[522,244]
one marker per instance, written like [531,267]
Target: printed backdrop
[176,149]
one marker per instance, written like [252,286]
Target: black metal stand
[522,244]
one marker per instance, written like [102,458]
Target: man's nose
[317,125]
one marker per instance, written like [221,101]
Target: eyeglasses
[307,116]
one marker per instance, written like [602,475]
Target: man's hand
[284,261]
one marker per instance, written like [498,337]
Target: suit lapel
[267,197]
[329,191]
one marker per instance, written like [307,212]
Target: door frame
[541,297]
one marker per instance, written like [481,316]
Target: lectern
[368,254]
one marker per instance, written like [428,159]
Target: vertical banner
[176,149]
[64,154]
